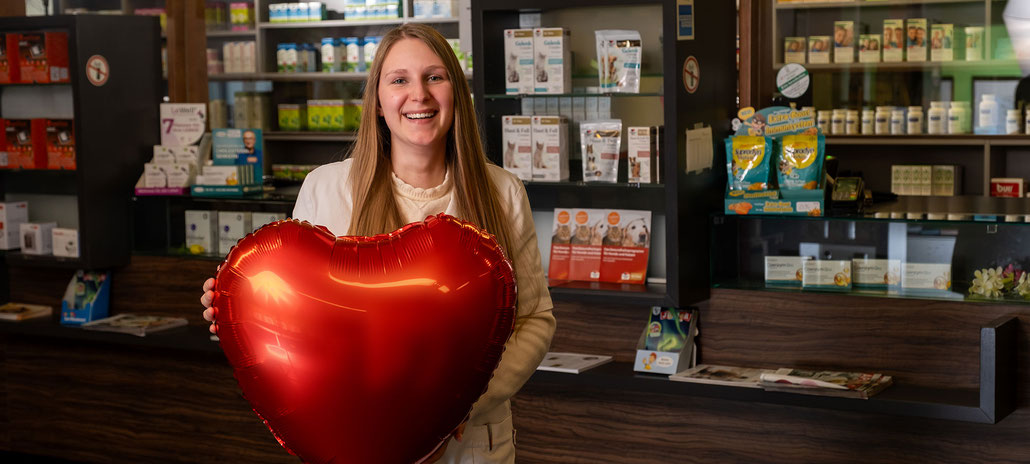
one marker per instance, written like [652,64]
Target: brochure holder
[91,310]
[667,362]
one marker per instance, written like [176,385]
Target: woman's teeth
[420,115]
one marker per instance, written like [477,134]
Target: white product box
[180,174]
[188,154]
[527,107]
[869,48]
[894,40]
[819,49]
[639,154]
[260,219]
[225,175]
[785,270]
[826,275]
[550,148]
[844,42]
[232,226]
[517,140]
[201,231]
[947,180]
[794,50]
[66,242]
[919,276]
[163,155]
[12,215]
[247,57]
[876,273]
[518,61]
[551,61]
[154,175]
[942,42]
[37,238]
[916,39]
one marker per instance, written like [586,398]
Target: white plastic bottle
[883,120]
[898,121]
[1012,122]
[937,117]
[822,119]
[956,118]
[851,122]
[915,120]
[988,120]
[1026,122]
[868,118]
[837,123]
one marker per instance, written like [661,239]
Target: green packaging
[351,115]
[292,117]
[667,329]
[747,162]
[800,161]
[332,116]
[314,115]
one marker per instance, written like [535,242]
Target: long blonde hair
[375,210]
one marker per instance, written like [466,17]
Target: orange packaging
[43,57]
[8,54]
[561,236]
[626,244]
[60,144]
[588,228]
[22,151]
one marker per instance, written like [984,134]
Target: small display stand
[667,362]
[81,304]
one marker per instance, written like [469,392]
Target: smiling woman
[419,154]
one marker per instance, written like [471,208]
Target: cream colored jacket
[326,199]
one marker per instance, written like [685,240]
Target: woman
[418,153]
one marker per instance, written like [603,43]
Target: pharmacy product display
[596,245]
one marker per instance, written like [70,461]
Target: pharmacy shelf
[604,292]
[19,259]
[551,195]
[228,34]
[47,181]
[298,76]
[503,96]
[311,136]
[917,66]
[930,140]
[339,23]
[796,5]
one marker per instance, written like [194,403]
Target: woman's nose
[419,91]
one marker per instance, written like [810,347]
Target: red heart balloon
[364,349]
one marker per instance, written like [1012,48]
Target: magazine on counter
[135,324]
[572,363]
[732,376]
[825,383]
[22,311]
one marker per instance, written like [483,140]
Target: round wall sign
[792,80]
[691,74]
[97,70]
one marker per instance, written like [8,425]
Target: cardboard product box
[942,42]
[1011,187]
[43,57]
[65,242]
[784,271]
[552,62]
[947,180]
[201,231]
[561,239]
[261,219]
[915,39]
[625,246]
[232,226]
[292,117]
[517,140]
[819,49]
[37,238]
[844,42]
[640,153]
[893,40]
[550,155]
[876,273]
[518,59]
[10,71]
[12,216]
[794,50]
[180,174]
[162,155]
[920,277]
[832,275]
[654,358]
[869,48]
[154,175]
[26,141]
[189,154]
[585,246]
[60,143]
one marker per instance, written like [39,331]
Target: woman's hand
[206,299]
[443,448]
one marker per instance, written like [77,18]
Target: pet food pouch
[800,161]
[601,40]
[747,162]
[600,142]
[619,54]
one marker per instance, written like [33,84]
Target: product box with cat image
[550,148]
[588,228]
[552,63]
[819,49]
[942,42]
[517,139]
[844,42]
[915,39]
[561,239]
[60,143]
[893,40]
[518,61]
[625,246]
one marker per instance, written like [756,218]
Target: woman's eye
[399,80]
[435,78]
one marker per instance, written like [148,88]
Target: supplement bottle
[915,120]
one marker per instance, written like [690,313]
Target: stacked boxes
[926,180]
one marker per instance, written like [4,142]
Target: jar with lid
[822,120]
[868,117]
[1012,121]
[837,122]
[988,120]
[882,120]
[898,121]
[937,119]
[851,122]
[915,120]
[956,118]
[967,116]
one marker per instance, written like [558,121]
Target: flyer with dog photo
[561,237]
[626,243]
[588,228]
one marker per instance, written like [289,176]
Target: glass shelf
[740,245]
[311,136]
[501,96]
[863,4]
[355,23]
[926,140]
[980,67]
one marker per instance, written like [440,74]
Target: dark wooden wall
[105,403]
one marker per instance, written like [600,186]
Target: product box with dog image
[561,239]
[625,245]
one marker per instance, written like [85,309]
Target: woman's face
[415,96]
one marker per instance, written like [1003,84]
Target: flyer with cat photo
[561,236]
[588,230]
[626,243]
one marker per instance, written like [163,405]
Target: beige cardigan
[326,199]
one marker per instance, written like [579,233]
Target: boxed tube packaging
[942,42]
[819,49]
[869,48]
[551,61]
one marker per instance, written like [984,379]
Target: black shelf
[990,404]
[603,292]
[957,293]
[550,195]
[45,181]
[15,258]
[190,338]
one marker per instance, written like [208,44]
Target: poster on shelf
[561,238]
[182,123]
[588,229]
[625,245]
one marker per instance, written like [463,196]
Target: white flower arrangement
[1023,288]
[988,283]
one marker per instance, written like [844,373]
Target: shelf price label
[182,124]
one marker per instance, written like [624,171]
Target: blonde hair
[375,210]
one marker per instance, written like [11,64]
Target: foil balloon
[364,349]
